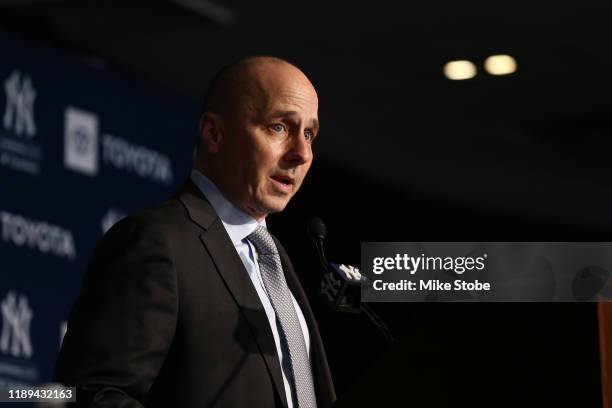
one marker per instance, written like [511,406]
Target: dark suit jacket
[168,317]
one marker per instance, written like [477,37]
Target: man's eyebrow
[315,124]
[289,113]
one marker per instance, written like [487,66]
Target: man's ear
[211,132]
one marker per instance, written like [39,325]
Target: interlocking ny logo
[19,113]
[16,318]
[330,286]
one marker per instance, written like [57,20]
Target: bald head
[248,82]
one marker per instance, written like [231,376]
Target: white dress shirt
[239,226]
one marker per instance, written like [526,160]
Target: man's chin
[273,206]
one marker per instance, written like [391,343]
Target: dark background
[406,155]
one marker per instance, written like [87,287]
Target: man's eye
[309,135]
[278,127]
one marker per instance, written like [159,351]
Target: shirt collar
[238,224]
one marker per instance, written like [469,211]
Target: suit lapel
[229,266]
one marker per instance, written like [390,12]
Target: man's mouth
[283,183]
[286,180]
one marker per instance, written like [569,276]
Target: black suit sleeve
[122,324]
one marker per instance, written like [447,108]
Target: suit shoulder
[160,223]
[159,216]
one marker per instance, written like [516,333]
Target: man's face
[268,146]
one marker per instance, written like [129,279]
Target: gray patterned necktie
[280,297]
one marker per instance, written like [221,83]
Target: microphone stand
[378,322]
[365,308]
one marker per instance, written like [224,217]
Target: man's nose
[300,150]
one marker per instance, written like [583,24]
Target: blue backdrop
[80,147]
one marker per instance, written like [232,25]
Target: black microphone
[341,284]
[317,231]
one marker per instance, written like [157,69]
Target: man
[193,303]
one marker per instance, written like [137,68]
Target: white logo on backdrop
[16,318]
[39,235]
[81,147]
[140,160]
[81,141]
[19,113]
[18,148]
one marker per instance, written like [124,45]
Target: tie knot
[263,242]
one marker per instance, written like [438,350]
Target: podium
[487,358]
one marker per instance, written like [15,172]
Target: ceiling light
[500,64]
[460,70]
